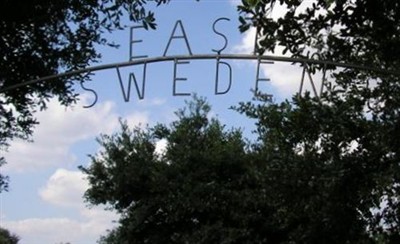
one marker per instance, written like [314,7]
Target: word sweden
[179,33]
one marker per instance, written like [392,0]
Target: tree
[333,169]
[200,190]
[3,178]
[44,38]
[7,238]
[315,175]
[323,169]
[361,32]
[211,186]
[356,121]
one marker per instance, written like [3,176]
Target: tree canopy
[43,38]
[198,191]
[323,169]
[362,32]
[315,174]
[3,178]
[7,238]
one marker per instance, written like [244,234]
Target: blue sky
[44,204]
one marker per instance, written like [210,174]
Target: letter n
[307,70]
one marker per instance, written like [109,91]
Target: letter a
[183,36]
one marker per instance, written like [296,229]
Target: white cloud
[161,146]
[246,46]
[65,189]
[44,230]
[286,78]
[59,129]
[137,119]
[152,102]
[57,230]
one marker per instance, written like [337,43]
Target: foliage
[361,32]
[334,166]
[3,179]
[7,238]
[322,170]
[351,131]
[316,174]
[43,38]
[198,191]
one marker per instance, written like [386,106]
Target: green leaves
[201,190]
[7,237]
[3,179]
[344,31]
[44,38]
[250,3]
[317,169]
[345,137]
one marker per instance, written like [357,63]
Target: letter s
[220,34]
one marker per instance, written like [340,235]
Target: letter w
[126,93]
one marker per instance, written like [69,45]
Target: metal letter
[174,93]
[323,80]
[220,34]
[183,36]
[127,94]
[258,79]
[217,76]
[131,42]
[94,93]
[256,48]
[311,80]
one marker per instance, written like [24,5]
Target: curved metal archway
[199,57]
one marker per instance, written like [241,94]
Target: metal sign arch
[218,56]
[177,58]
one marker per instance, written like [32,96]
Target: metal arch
[198,57]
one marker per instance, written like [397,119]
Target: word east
[179,35]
